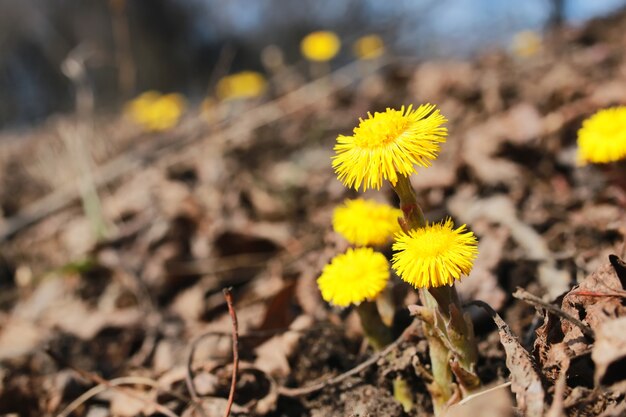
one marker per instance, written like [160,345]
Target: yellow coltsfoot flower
[368,47]
[434,255]
[321,46]
[387,144]
[526,43]
[241,85]
[366,222]
[602,137]
[156,112]
[353,277]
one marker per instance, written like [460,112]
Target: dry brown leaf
[609,353]
[526,382]
[594,302]
[483,284]
[502,210]
[124,405]
[493,401]
[273,355]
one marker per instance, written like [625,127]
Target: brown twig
[97,389]
[296,392]
[527,297]
[97,379]
[233,382]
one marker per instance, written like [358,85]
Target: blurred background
[130,46]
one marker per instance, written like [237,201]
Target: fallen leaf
[609,352]
[493,401]
[526,381]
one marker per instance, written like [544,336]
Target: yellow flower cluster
[353,277]
[602,137]
[434,255]
[383,147]
[365,222]
[320,46]
[241,85]
[156,112]
[389,144]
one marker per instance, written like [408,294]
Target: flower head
[156,112]
[526,43]
[602,137]
[434,255]
[244,84]
[353,277]
[369,47]
[387,144]
[366,222]
[320,46]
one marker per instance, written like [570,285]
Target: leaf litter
[246,203]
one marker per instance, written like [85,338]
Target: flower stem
[376,332]
[413,214]
[450,333]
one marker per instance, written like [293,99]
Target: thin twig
[527,297]
[125,380]
[97,379]
[233,382]
[295,392]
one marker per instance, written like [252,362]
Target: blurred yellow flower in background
[368,47]
[156,112]
[602,137]
[320,46]
[366,222]
[241,85]
[526,43]
[434,255]
[387,144]
[353,277]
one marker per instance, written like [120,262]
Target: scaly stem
[377,334]
[450,334]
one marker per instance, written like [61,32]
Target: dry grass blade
[125,380]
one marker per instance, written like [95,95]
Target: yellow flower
[602,137]
[387,144]
[369,47]
[244,84]
[526,43]
[366,222]
[355,276]
[156,112]
[320,46]
[434,255]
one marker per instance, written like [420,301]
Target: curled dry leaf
[526,382]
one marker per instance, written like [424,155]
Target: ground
[242,198]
